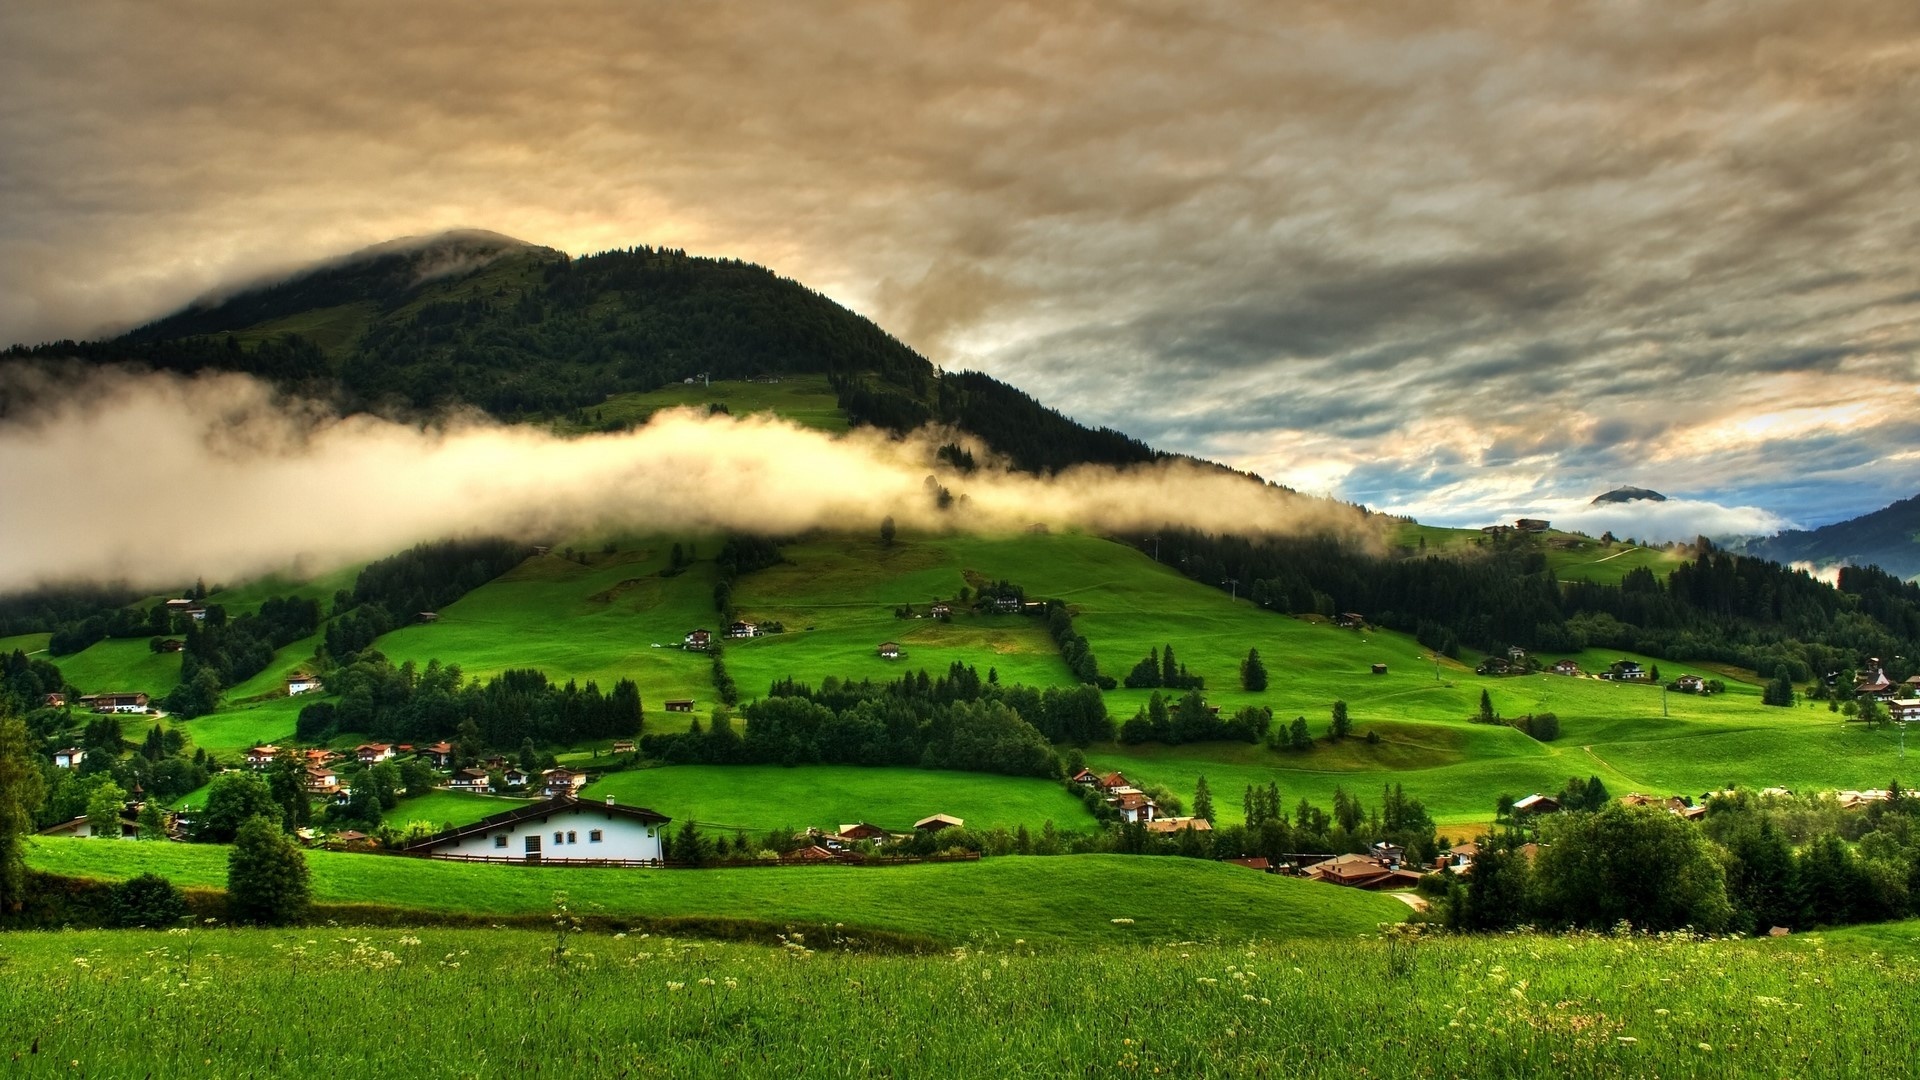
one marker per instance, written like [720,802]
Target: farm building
[440,753]
[373,753]
[557,830]
[743,630]
[1006,605]
[1904,710]
[1624,671]
[1115,781]
[1536,804]
[427,617]
[1691,684]
[1087,777]
[861,830]
[1379,669]
[474,780]
[563,782]
[1532,525]
[517,778]
[1179,824]
[261,757]
[941,611]
[679,705]
[1362,872]
[623,746]
[1873,682]
[1134,806]
[70,758]
[698,640]
[889,650]
[936,822]
[78,827]
[120,703]
[55,701]
[322,780]
[302,683]
[1350,620]
[1565,667]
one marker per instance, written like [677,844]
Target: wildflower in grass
[1122,922]
[732,983]
[1707,1047]
[1628,1039]
[706,982]
[676,986]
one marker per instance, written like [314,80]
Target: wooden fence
[838,860]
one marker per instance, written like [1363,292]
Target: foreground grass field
[447,1003]
[1058,900]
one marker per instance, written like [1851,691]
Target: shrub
[266,875]
[148,900]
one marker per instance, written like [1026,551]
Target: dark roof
[557,805]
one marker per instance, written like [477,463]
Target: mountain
[1888,538]
[1626,495]
[525,332]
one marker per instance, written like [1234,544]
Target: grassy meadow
[459,1003]
[1064,899]
[764,797]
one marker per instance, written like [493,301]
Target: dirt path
[1417,903]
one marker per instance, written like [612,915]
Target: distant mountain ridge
[1888,538]
[522,331]
[1626,495]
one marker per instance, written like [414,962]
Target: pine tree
[1342,726]
[1169,668]
[1486,707]
[1298,735]
[1202,799]
[1253,673]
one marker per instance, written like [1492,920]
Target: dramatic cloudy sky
[1452,259]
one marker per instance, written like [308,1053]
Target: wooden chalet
[862,830]
[261,757]
[698,640]
[678,705]
[889,650]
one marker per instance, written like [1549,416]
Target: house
[559,829]
[623,746]
[808,853]
[302,683]
[440,753]
[1459,860]
[1903,710]
[120,703]
[698,640]
[427,617]
[1536,804]
[1532,525]
[55,701]
[1565,667]
[342,796]
[562,782]
[373,753]
[1113,782]
[1390,855]
[936,822]
[516,778]
[743,630]
[1255,862]
[861,830]
[889,650]
[1624,671]
[180,607]
[941,611]
[1379,669]
[322,780]
[679,705]
[473,780]
[1179,824]
[1006,605]
[1361,872]
[1690,684]
[1517,655]
[78,827]
[1493,665]
[261,757]
[70,758]
[197,613]
[1350,620]
[1873,682]
[1134,806]
[1087,777]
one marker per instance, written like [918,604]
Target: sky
[1457,260]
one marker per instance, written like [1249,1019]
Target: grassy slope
[26,643]
[807,400]
[763,797]
[1062,899]
[121,665]
[306,1002]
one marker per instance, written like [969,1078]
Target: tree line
[407,703]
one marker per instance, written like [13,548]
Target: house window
[593,836]
[500,841]
[559,837]
[649,834]
[572,837]
[533,844]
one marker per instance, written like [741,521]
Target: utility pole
[1233,592]
[1663,702]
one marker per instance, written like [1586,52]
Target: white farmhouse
[556,830]
[302,683]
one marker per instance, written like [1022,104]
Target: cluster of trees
[421,704]
[1717,606]
[740,554]
[26,682]
[393,591]
[957,721]
[1191,720]
[1749,865]
[48,609]
[1160,669]
[220,652]
[1074,648]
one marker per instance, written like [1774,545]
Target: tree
[153,824]
[266,875]
[1202,799]
[1298,735]
[1342,726]
[104,808]
[1593,872]
[148,900]
[1169,668]
[689,846]
[232,798]
[1253,673]
[1495,896]
[886,530]
[1780,691]
[1486,707]
[287,780]
[21,790]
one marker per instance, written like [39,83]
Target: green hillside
[1067,899]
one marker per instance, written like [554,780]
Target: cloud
[1387,246]
[156,479]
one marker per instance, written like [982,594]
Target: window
[559,838]
[533,844]
[500,841]
[572,837]
[593,836]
